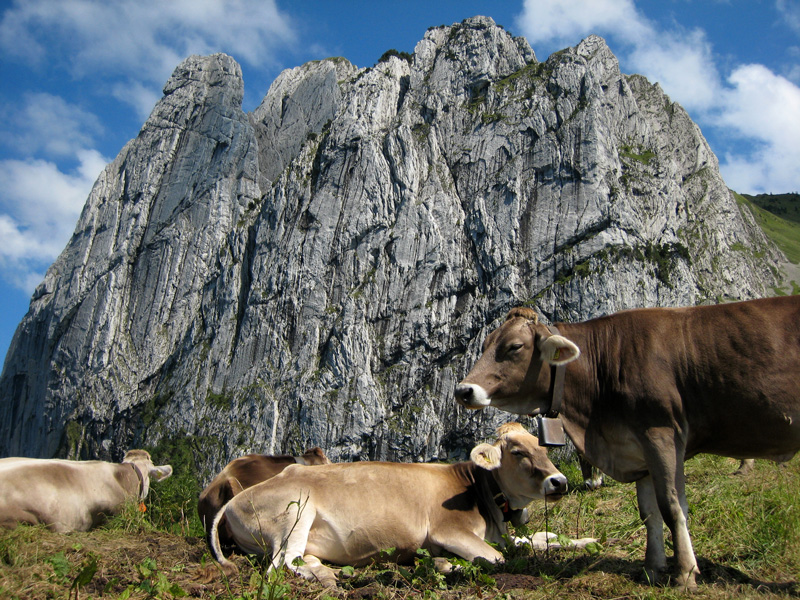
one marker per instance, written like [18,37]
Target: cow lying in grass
[349,513]
[70,495]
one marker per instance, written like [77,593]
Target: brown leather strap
[556,390]
[557,374]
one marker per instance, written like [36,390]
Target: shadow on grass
[714,573]
[589,572]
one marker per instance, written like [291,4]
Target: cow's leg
[655,558]
[466,545]
[687,562]
[592,477]
[665,460]
[290,537]
[745,466]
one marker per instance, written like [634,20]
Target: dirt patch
[514,581]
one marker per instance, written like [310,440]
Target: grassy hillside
[784,232]
[746,532]
[786,206]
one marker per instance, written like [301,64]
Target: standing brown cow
[646,389]
[242,473]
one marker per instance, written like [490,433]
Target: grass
[785,233]
[786,206]
[745,529]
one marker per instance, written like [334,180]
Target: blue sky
[81,76]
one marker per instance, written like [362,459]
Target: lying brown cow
[349,513]
[650,388]
[242,473]
[70,495]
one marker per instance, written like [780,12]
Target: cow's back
[363,508]
[747,359]
[731,371]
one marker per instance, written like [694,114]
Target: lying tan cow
[646,389]
[349,513]
[242,473]
[70,495]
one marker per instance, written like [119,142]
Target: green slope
[783,231]
[786,206]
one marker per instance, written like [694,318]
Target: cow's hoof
[442,565]
[687,582]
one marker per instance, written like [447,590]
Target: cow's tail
[228,567]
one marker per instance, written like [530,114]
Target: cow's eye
[514,347]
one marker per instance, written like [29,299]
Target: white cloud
[682,63]
[43,123]
[39,207]
[566,22]
[754,105]
[764,107]
[144,38]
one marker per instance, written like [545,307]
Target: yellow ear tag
[556,354]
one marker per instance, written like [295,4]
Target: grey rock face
[324,270]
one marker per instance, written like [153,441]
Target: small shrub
[409,58]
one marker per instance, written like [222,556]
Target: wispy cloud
[140,97]
[751,103]
[790,13]
[142,37]
[47,124]
[38,211]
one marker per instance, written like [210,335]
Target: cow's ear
[160,473]
[486,456]
[558,350]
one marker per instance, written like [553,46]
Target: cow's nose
[464,392]
[471,395]
[555,485]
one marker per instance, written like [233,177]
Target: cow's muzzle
[555,487]
[472,396]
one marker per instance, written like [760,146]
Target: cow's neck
[140,481]
[576,383]
[494,502]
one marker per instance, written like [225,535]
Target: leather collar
[557,373]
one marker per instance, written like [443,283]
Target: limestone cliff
[323,270]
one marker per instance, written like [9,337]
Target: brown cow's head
[509,373]
[314,456]
[521,467]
